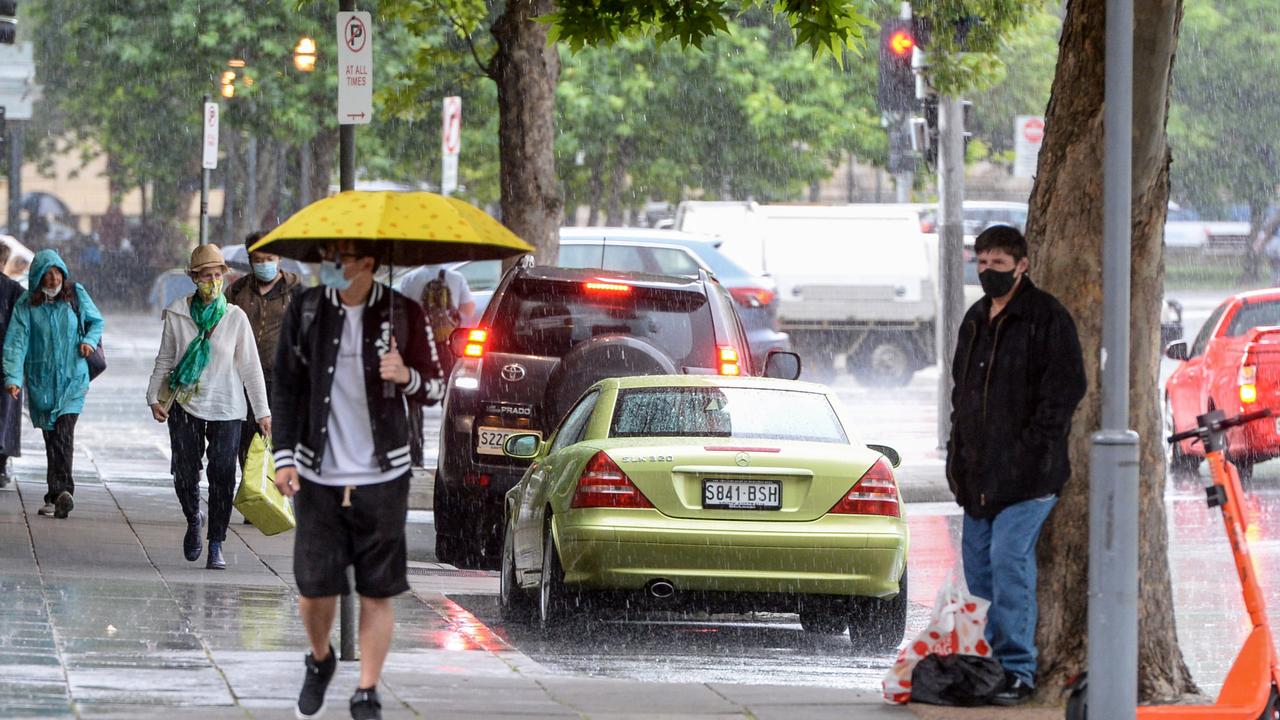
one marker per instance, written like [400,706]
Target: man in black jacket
[350,354]
[1019,376]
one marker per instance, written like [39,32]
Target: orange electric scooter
[1252,687]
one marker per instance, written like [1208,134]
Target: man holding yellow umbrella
[351,352]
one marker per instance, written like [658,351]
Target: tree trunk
[526,69]
[324,151]
[1065,232]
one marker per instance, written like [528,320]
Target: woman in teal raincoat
[54,327]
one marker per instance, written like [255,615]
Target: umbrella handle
[388,387]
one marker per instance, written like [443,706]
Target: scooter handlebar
[1241,419]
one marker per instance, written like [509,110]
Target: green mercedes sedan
[710,493]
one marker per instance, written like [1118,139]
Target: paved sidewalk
[103,618]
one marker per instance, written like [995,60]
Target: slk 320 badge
[647,458]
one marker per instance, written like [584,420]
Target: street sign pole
[208,161]
[950,250]
[17,130]
[1113,459]
[355,105]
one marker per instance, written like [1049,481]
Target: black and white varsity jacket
[305,360]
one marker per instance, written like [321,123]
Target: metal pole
[1113,459]
[204,187]
[950,290]
[347,181]
[304,180]
[16,134]
[251,188]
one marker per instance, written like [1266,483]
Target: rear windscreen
[1252,315]
[729,412]
[547,318]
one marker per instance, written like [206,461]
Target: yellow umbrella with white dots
[418,228]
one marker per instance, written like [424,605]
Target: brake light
[598,286]
[729,361]
[604,485]
[876,493]
[1248,381]
[476,340]
[753,297]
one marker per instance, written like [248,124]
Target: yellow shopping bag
[257,498]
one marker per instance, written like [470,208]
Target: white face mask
[51,293]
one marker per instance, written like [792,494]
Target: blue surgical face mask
[331,276]
[266,272]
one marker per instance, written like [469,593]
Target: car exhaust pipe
[661,589]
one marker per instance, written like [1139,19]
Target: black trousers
[59,450]
[191,440]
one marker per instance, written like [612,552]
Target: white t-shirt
[349,454]
[415,283]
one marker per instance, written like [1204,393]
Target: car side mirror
[782,365]
[1177,350]
[522,446]
[458,341]
[889,453]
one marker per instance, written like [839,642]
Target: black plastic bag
[958,680]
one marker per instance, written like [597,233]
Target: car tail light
[1248,382]
[753,297]
[729,361]
[604,485]
[476,340]
[607,287]
[876,493]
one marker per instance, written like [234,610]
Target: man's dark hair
[252,238]
[370,249]
[1002,237]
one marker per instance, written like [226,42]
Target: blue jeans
[1000,566]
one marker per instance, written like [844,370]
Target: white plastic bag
[958,627]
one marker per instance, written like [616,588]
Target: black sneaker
[365,705]
[191,542]
[311,700]
[215,561]
[4,478]
[63,506]
[1016,691]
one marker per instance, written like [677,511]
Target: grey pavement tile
[593,696]
[751,695]
[827,712]
[129,711]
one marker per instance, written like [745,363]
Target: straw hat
[206,256]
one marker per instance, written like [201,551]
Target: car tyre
[883,361]
[823,617]
[554,601]
[1180,465]
[514,602]
[877,625]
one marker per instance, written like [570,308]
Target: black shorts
[368,535]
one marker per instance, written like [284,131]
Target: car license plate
[741,494]
[489,440]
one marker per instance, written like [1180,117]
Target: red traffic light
[901,43]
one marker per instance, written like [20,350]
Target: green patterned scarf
[185,377]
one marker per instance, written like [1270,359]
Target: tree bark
[1065,232]
[526,69]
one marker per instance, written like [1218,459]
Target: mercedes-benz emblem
[514,372]
[742,459]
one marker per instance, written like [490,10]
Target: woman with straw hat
[208,362]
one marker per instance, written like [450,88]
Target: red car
[1233,365]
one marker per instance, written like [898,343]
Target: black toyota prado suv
[548,334]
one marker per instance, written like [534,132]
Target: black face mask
[996,283]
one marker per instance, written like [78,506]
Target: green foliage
[968,37]
[1029,55]
[824,26]
[1224,122]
